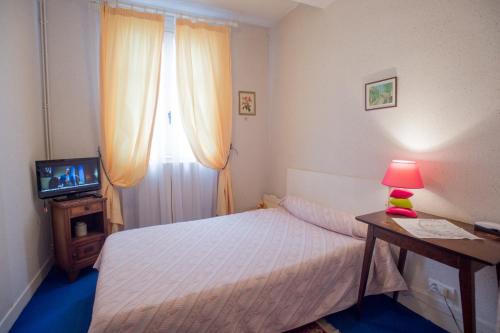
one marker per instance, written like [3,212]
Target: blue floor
[60,306]
[382,314]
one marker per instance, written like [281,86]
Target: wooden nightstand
[74,253]
[468,256]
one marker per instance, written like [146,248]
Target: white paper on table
[430,228]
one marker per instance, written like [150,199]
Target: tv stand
[72,252]
[77,196]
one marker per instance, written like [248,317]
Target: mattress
[258,271]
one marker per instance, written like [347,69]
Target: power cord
[451,311]
[436,290]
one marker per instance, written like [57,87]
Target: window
[170,143]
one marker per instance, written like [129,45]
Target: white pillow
[328,218]
[359,229]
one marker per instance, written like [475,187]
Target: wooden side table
[468,256]
[74,253]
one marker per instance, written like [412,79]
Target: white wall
[73,63]
[72,32]
[250,54]
[24,231]
[446,55]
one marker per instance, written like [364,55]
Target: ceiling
[263,11]
[259,12]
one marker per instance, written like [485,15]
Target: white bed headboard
[348,194]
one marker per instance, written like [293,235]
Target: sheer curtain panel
[174,192]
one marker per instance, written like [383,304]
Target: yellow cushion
[403,203]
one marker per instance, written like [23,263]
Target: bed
[258,271]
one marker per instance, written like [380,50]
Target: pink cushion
[401,211]
[401,194]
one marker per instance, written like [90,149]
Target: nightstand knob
[87,208]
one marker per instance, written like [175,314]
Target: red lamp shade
[403,174]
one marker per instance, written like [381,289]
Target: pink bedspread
[259,271]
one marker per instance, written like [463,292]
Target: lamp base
[401,211]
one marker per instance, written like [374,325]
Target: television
[69,177]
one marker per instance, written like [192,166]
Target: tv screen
[67,177]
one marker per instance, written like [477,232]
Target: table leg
[367,259]
[401,268]
[498,274]
[72,275]
[467,294]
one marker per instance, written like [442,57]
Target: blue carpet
[381,314]
[59,306]
[62,307]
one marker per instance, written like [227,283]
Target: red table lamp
[402,175]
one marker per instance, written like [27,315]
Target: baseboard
[10,318]
[434,309]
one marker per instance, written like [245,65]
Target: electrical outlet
[441,289]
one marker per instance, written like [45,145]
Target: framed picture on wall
[381,94]
[247,103]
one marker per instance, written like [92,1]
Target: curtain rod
[162,11]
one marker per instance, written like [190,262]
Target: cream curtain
[130,59]
[205,98]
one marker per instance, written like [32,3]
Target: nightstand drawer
[86,209]
[86,250]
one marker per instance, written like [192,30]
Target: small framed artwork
[381,94]
[247,103]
